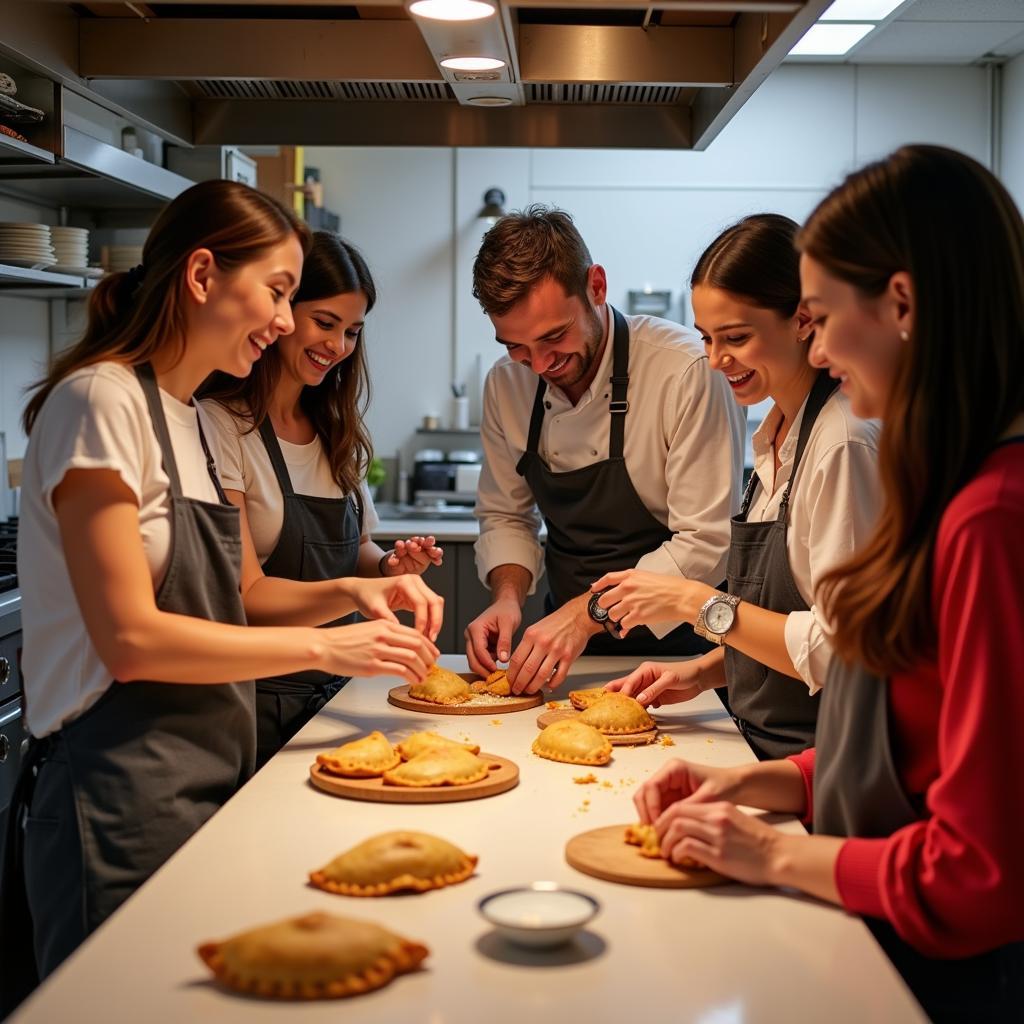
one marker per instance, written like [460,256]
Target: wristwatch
[717,616]
[600,615]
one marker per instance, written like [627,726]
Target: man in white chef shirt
[612,429]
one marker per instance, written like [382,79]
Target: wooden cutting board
[500,779]
[603,853]
[622,739]
[399,696]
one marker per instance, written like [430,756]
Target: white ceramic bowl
[539,915]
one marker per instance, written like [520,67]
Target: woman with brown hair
[292,450]
[811,501]
[916,784]
[135,641]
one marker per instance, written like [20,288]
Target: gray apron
[595,520]
[858,793]
[103,802]
[775,712]
[319,541]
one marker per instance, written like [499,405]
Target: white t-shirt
[96,418]
[833,509]
[243,464]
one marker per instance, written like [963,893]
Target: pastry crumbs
[495,721]
[667,741]
[710,740]
[554,704]
[583,780]
[606,785]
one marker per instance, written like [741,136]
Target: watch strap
[700,626]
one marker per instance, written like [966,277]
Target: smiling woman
[293,452]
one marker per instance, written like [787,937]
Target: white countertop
[728,955]
[450,531]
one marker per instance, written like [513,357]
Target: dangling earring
[904,336]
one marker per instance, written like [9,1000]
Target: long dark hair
[945,220]
[337,405]
[756,260]
[132,315]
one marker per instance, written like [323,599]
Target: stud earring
[904,336]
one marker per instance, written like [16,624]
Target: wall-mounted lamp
[494,206]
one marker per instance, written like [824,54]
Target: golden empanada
[646,838]
[421,742]
[395,861]
[451,766]
[573,742]
[316,956]
[361,759]
[496,684]
[582,699]
[441,687]
[617,713]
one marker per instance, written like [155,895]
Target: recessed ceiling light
[472,63]
[860,10]
[829,40]
[490,101]
[452,10]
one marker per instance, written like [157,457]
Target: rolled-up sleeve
[508,515]
[704,429]
[841,500]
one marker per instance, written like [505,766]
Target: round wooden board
[399,696]
[504,777]
[603,853]
[622,739]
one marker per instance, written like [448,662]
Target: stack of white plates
[72,248]
[26,245]
[121,257]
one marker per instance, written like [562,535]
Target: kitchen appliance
[13,737]
[440,479]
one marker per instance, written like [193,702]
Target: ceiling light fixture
[490,101]
[830,40]
[452,10]
[472,63]
[860,10]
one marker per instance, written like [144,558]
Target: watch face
[719,617]
[597,613]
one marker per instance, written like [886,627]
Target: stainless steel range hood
[577,73]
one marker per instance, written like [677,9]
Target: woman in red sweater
[913,270]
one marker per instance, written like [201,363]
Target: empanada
[361,759]
[421,742]
[441,687]
[646,838]
[582,699]
[316,956]
[395,861]
[617,713]
[451,766]
[496,684]
[573,742]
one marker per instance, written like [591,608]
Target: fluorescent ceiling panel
[860,10]
[829,40]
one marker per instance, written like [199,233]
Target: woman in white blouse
[291,449]
[811,500]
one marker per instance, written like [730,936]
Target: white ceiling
[942,32]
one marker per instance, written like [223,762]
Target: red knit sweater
[952,884]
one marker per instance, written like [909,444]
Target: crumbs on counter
[606,785]
[710,740]
[554,704]
[495,721]
[667,741]
[584,780]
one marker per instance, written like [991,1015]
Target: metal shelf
[20,282]
[14,151]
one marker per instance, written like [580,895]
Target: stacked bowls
[26,245]
[117,258]
[71,246]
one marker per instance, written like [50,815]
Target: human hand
[379,599]
[376,648]
[549,647]
[414,555]
[635,597]
[720,836]
[489,636]
[680,780]
[655,683]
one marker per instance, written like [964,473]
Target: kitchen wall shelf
[20,282]
[16,152]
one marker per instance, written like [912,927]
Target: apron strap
[273,447]
[821,391]
[211,466]
[537,417]
[619,405]
[147,378]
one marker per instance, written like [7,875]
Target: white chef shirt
[96,418]
[833,508]
[243,464]
[683,451]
